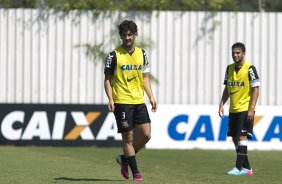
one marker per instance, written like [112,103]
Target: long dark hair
[127,25]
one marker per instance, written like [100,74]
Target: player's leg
[237,130]
[235,141]
[232,129]
[242,157]
[249,128]
[242,162]
[241,134]
[246,164]
[242,152]
[234,132]
[142,127]
[127,143]
[234,171]
[121,160]
[143,136]
[123,114]
[129,154]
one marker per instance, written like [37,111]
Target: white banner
[189,127]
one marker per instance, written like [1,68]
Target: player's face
[128,38]
[237,55]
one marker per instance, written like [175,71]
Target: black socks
[241,157]
[132,164]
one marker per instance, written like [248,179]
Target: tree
[147,5]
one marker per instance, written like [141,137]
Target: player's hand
[153,104]
[111,106]
[221,112]
[251,114]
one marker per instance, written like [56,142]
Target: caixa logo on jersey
[80,125]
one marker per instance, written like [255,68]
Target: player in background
[126,78]
[242,87]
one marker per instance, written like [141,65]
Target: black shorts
[128,115]
[239,125]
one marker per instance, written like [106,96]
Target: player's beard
[238,59]
[128,44]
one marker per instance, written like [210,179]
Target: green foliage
[18,3]
[94,52]
[271,5]
[146,5]
[121,5]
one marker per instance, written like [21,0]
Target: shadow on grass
[84,179]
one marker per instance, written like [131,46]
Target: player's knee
[235,140]
[147,137]
[128,138]
[242,138]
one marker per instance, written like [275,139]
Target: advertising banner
[200,127]
[57,125]
[173,126]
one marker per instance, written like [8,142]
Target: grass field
[70,165]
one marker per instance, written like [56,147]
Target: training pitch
[71,165]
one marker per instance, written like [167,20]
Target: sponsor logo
[38,126]
[131,67]
[252,74]
[231,93]
[130,79]
[236,83]
[203,129]
[48,124]
[109,61]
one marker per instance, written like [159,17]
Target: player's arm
[254,98]
[147,83]
[109,92]
[225,95]
[254,83]
[148,90]
[223,100]
[109,69]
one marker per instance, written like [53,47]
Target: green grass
[70,165]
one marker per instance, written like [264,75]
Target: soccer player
[242,87]
[126,78]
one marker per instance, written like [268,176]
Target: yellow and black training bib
[239,85]
[127,75]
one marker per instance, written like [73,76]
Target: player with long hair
[126,78]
